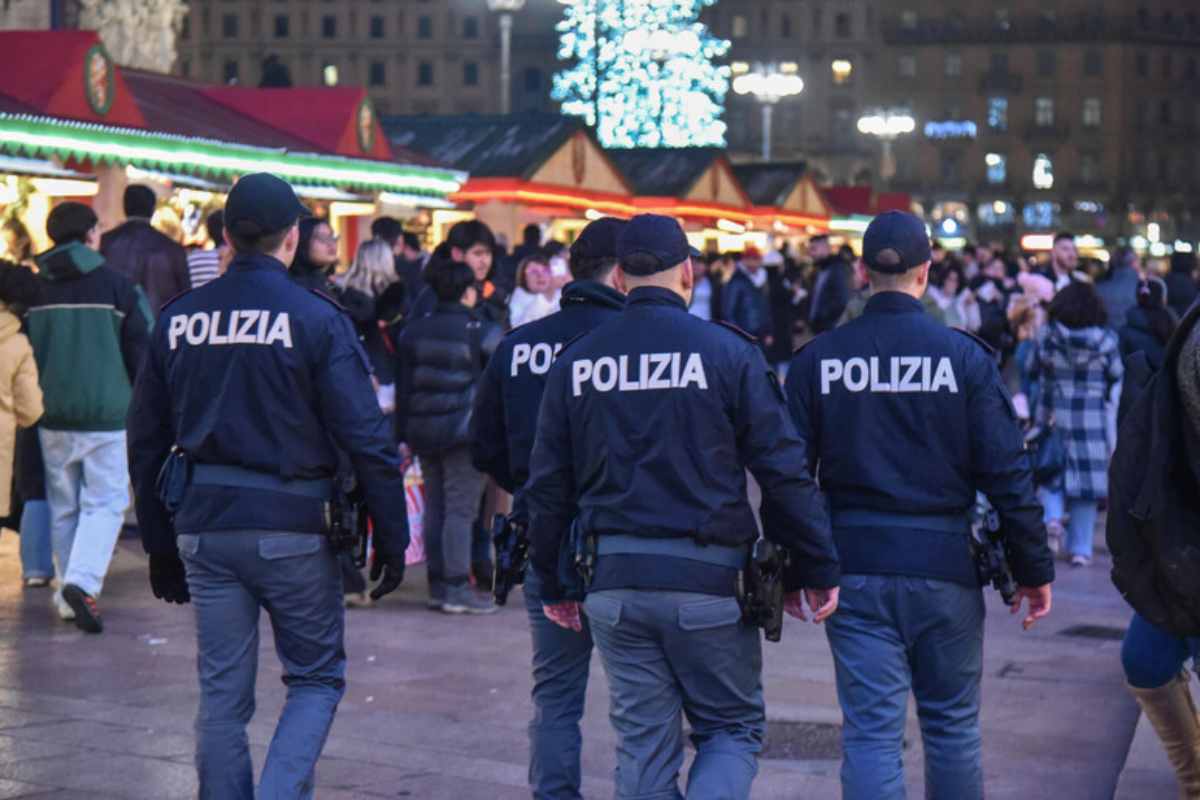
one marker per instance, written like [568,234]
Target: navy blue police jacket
[506,408]
[904,420]
[647,425]
[257,372]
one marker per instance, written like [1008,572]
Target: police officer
[256,382]
[647,426]
[905,420]
[504,423]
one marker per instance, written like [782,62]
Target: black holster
[989,554]
[346,519]
[511,541]
[173,479]
[760,588]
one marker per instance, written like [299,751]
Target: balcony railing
[1033,29]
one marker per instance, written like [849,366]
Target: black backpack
[1153,527]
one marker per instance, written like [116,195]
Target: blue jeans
[561,661]
[1081,529]
[892,635]
[667,652]
[36,558]
[87,487]
[1152,657]
[295,577]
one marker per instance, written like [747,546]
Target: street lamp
[505,8]
[886,125]
[769,83]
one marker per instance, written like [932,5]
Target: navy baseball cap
[261,204]
[598,239]
[895,242]
[658,236]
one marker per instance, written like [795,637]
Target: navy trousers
[295,578]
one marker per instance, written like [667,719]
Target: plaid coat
[1077,369]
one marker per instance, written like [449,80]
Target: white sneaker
[65,612]
[1054,536]
[1080,561]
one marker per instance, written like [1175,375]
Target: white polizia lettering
[639,373]
[537,357]
[241,326]
[894,375]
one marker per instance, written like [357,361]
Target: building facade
[413,56]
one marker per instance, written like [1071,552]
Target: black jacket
[1135,336]
[149,258]
[1181,291]
[745,305]
[830,295]
[441,358]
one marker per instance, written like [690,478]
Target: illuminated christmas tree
[642,72]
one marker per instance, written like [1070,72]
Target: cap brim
[694,253]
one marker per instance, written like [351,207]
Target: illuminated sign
[950,129]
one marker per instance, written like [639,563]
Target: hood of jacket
[68,262]
[592,292]
[1081,346]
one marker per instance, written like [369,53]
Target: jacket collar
[655,296]
[894,303]
[67,261]
[250,262]
[591,293]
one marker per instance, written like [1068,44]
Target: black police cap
[654,235]
[598,239]
[895,242]
[260,205]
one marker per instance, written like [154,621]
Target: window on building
[843,71]
[1093,63]
[1089,168]
[739,27]
[1091,112]
[470,73]
[996,213]
[998,62]
[953,65]
[329,74]
[282,24]
[785,26]
[424,27]
[470,27]
[997,117]
[229,26]
[997,167]
[1043,111]
[533,80]
[908,19]
[1044,215]
[1043,172]
[1143,18]
[907,66]
[425,73]
[1047,63]
[229,72]
[951,163]
[377,73]
[378,27]
[1003,18]
[329,26]
[841,25]
[1142,65]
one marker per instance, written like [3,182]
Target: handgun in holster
[760,589]
[577,563]
[174,476]
[989,554]
[346,519]
[511,539]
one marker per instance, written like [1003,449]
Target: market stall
[787,202]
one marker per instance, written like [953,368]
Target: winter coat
[1119,293]
[1077,369]
[830,293]
[1181,287]
[20,396]
[149,258]
[89,333]
[441,358]
[745,305]
[1135,336]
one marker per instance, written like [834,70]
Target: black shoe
[483,572]
[87,615]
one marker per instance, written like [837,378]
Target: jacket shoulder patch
[987,348]
[730,326]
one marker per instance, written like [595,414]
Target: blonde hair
[374,268]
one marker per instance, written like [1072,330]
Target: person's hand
[1039,603]
[822,603]
[168,578]
[406,457]
[565,615]
[391,570]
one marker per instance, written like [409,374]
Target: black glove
[168,578]
[391,569]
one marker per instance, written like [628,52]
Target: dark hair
[1152,299]
[139,201]
[307,225]
[450,280]
[411,241]
[465,235]
[948,268]
[1183,262]
[1078,305]
[592,269]
[641,265]
[1058,237]
[969,250]
[846,252]
[262,245]
[215,223]
[532,235]
[20,288]
[818,239]
[70,222]
[387,228]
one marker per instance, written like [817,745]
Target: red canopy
[864,201]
